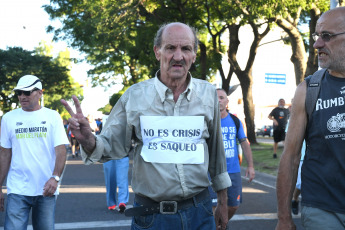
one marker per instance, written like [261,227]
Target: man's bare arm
[288,167]
[51,185]
[275,122]
[247,152]
[5,162]
[221,211]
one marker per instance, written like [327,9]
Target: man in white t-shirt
[33,156]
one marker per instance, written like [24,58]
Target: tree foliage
[106,109]
[113,100]
[117,36]
[111,34]
[287,14]
[57,83]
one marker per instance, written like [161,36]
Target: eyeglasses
[324,36]
[26,93]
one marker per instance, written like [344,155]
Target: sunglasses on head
[26,93]
[324,36]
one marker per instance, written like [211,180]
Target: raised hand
[80,126]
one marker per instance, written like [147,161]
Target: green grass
[263,158]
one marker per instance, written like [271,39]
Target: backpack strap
[313,90]
[237,122]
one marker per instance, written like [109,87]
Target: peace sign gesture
[80,126]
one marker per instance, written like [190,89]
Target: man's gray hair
[158,38]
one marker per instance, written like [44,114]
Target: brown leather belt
[149,207]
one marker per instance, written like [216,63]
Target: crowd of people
[187,138]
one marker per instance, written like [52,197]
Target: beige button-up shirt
[165,181]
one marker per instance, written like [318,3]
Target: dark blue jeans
[18,209]
[199,217]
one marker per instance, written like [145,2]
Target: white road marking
[252,190]
[127,223]
[259,182]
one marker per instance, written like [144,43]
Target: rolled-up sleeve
[95,156]
[115,139]
[217,167]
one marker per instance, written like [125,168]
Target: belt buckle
[168,207]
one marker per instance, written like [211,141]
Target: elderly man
[323,170]
[176,121]
[33,154]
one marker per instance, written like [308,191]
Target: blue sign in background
[275,78]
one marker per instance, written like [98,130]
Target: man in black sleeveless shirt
[279,115]
[323,170]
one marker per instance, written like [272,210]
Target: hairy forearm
[285,185]
[222,197]
[221,214]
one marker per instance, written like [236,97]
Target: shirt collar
[163,90]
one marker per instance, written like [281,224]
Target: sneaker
[274,155]
[122,207]
[294,207]
[112,207]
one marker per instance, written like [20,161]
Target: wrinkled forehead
[331,21]
[178,34]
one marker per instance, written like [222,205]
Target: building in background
[273,75]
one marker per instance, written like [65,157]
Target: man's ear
[157,52]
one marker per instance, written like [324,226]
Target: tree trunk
[298,57]
[246,81]
[203,60]
[312,64]
[245,76]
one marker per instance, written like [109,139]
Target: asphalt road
[82,203]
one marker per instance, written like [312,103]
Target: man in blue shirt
[230,137]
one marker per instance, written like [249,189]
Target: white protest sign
[172,139]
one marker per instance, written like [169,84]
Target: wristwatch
[57,178]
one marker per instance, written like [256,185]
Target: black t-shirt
[281,115]
[323,169]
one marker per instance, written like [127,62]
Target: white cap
[28,83]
